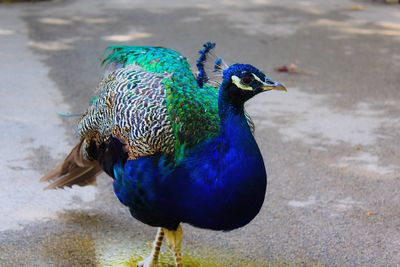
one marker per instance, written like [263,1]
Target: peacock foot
[147,262]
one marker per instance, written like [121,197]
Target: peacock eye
[246,80]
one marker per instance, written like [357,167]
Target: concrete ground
[331,144]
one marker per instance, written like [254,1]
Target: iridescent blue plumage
[220,185]
[221,182]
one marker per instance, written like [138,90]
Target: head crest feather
[209,70]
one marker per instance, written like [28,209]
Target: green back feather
[193,111]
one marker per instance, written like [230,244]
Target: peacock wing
[131,106]
[192,110]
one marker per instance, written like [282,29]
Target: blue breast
[220,184]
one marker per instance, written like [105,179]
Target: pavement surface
[331,144]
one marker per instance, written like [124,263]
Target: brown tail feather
[74,170]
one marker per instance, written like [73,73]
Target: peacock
[179,147]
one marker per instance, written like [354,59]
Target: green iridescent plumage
[193,110]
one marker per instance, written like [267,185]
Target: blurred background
[331,143]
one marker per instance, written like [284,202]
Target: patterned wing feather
[192,110]
[132,107]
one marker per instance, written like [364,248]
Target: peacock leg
[174,240]
[152,259]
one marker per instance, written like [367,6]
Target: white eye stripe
[256,78]
[236,81]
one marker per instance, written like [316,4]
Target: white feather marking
[236,80]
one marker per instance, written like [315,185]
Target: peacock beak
[272,85]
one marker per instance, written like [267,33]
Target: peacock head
[243,81]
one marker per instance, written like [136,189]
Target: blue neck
[231,113]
